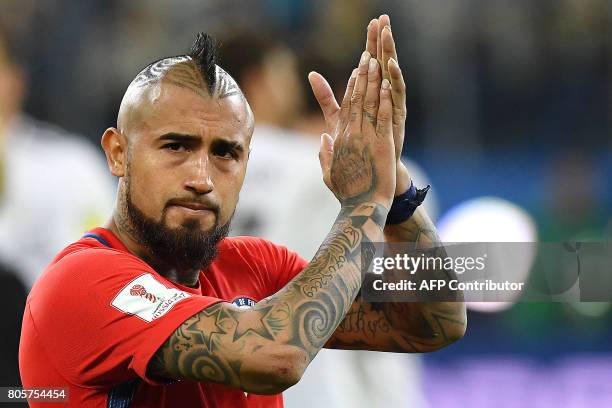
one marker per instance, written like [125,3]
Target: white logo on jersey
[147,298]
[244,302]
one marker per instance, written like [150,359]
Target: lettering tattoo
[355,322]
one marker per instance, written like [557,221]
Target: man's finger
[372,37]
[398,88]
[398,93]
[346,101]
[384,121]
[382,142]
[378,40]
[383,21]
[326,152]
[325,97]
[356,109]
[370,104]
[388,49]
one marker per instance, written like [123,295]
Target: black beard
[186,247]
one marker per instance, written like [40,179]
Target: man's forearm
[406,327]
[317,300]
[446,321]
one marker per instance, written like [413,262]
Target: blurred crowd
[506,98]
[482,74]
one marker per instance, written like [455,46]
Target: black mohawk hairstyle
[204,53]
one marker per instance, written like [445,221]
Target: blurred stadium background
[509,99]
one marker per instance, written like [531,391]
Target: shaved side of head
[196,71]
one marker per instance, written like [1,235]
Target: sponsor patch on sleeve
[147,298]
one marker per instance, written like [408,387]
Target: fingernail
[387,28]
[364,58]
[393,61]
[386,84]
[373,65]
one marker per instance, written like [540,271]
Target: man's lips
[194,206]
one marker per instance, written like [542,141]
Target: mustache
[203,202]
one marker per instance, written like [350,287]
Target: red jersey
[97,315]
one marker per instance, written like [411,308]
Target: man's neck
[187,277]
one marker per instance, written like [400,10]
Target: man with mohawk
[165,310]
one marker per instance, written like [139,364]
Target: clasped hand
[358,107]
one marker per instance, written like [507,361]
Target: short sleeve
[289,264]
[276,261]
[102,315]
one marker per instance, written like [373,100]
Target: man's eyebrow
[183,137]
[229,144]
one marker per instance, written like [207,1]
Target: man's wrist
[402,179]
[405,205]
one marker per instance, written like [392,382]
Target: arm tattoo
[355,177]
[405,326]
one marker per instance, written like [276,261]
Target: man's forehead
[171,108]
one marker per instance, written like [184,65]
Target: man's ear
[114,144]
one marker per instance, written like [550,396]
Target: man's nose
[200,180]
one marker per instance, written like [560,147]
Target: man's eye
[175,147]
[226,154]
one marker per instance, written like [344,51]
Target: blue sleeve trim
[98,238]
